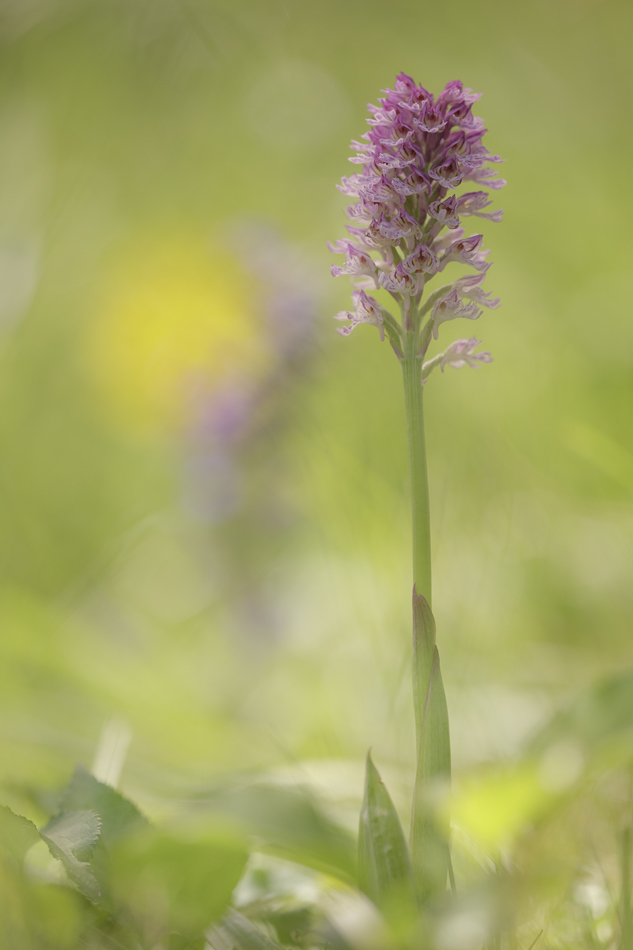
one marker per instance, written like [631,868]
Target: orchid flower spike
[407,218]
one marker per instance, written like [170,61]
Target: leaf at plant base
[180,881]
[57,913]
[71,839]
[17,835]
[384,865]
[118,815]
[429,699]
[599,718]
[429,845]
[290,823]
[236,932]
[14,920]
[178,942]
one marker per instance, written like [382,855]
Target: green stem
[420,515]
[429,846]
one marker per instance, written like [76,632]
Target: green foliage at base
[125,881]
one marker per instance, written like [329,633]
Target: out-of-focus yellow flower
[495,807]
[176,319]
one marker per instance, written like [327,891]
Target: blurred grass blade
[71,838]
[17,835]
[236,932]
[384,865]
[429,845]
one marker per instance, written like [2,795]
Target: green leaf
[56,913]
[17,835]
[71,838]
[598,716]
[177,880]
[236,932]
[178,942]
[429,844]
[384,865]
[118,815]
[290,823]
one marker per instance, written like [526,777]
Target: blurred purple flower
[225,419]
[291,290]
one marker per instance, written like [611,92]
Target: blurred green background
[204,528]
